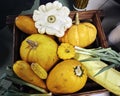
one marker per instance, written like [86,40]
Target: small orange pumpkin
[80,34]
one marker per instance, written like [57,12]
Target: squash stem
[77,19]
[32,43]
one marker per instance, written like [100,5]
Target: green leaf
[105,54]
[19,81]
[90,59]
[16,93]
[104,69]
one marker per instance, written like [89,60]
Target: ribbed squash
[80,34]
[39,71]
[66,51]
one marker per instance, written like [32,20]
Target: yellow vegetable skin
[41,49]
[109,79]
[26,24]
[39,71]
[23,70]
[66,51]
[67,77]
[80,34]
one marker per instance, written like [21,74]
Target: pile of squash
[47,59]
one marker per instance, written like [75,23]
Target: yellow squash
[25,24]
[40,49]
[66,51]
[80,34]
[66,77]
[39,71]
[23,70]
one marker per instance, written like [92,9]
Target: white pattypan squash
[52,19]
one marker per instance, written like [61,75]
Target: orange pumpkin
[67,77]
[80,34]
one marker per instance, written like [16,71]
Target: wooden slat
[82,15]
[86,14]
[102,38]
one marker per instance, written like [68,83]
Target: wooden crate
[93,16]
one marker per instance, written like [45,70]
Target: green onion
[16,93]
[105,54]
[19,81]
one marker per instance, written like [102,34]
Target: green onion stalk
[104,54]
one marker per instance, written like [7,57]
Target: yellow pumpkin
[66,77]
[80,34]
[41,49]
[66,51]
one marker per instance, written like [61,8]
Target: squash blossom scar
[67,51]
[78,71]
